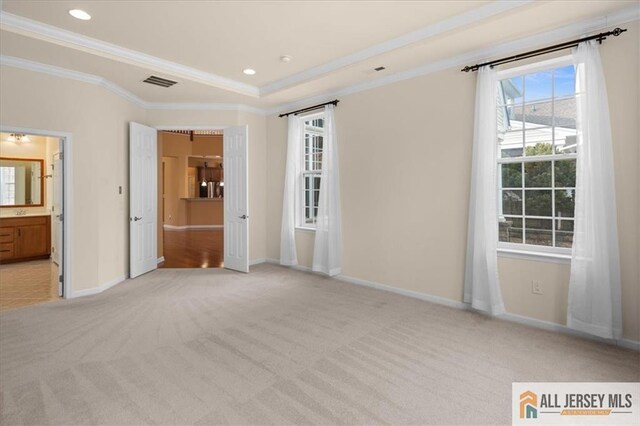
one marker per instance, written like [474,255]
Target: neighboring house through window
[537,158]
[311,170]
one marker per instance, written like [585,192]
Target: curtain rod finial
[618,31]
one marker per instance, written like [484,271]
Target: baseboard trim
[257,261]
[191,227]
[160,260]
[99,289]
[531,322]
[403,292]
[560,328]
[296,267]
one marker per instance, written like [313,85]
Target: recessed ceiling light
[285,58]
[249,71]
[80,14]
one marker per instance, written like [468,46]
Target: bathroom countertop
[10,216]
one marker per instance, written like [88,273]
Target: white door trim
[66,140]
[171,127]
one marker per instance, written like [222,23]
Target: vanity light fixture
[80,14]
[18,138]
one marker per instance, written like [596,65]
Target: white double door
[143,199]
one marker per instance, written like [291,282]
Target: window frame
[300,196]
[523,250]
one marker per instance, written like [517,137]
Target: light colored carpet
[276,346]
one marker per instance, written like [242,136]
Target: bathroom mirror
[21,182]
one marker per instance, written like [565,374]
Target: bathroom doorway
[31,219]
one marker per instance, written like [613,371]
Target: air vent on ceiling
[379,69]
[159,81]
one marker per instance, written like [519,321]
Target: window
[311,170]
[537,160]
[7,186]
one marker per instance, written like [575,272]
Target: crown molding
[462,20]
[553,36]
[39,30]
[14,62]
[205,106]
[577,29]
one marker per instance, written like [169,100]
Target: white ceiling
[205,45]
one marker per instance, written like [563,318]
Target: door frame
[66,139]
[163,127]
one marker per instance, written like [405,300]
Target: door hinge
[61,278]
[60,217]
[62,155]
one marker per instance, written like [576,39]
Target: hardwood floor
[193,249]
[27,283]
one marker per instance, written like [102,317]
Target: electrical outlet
[536,287]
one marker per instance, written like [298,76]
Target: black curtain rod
[311,108]
[567,45]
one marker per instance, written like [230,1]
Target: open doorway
[31,219]
[191,198]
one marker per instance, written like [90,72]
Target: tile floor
[27,283]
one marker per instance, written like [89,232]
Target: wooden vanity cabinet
[25,238]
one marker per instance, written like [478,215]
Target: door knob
[244,216]
[135,218]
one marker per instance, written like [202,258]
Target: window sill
[535,256]
[306,229]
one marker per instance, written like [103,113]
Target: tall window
[311,170]
[8,185]
[537,159]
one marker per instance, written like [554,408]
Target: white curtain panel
[327,250]
[481,285]
[594,285]
[288,252]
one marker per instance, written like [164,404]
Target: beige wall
[98,121]
[173,214]
[414,134]
[405,157]
[35,148]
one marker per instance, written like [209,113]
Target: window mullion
[553,163]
